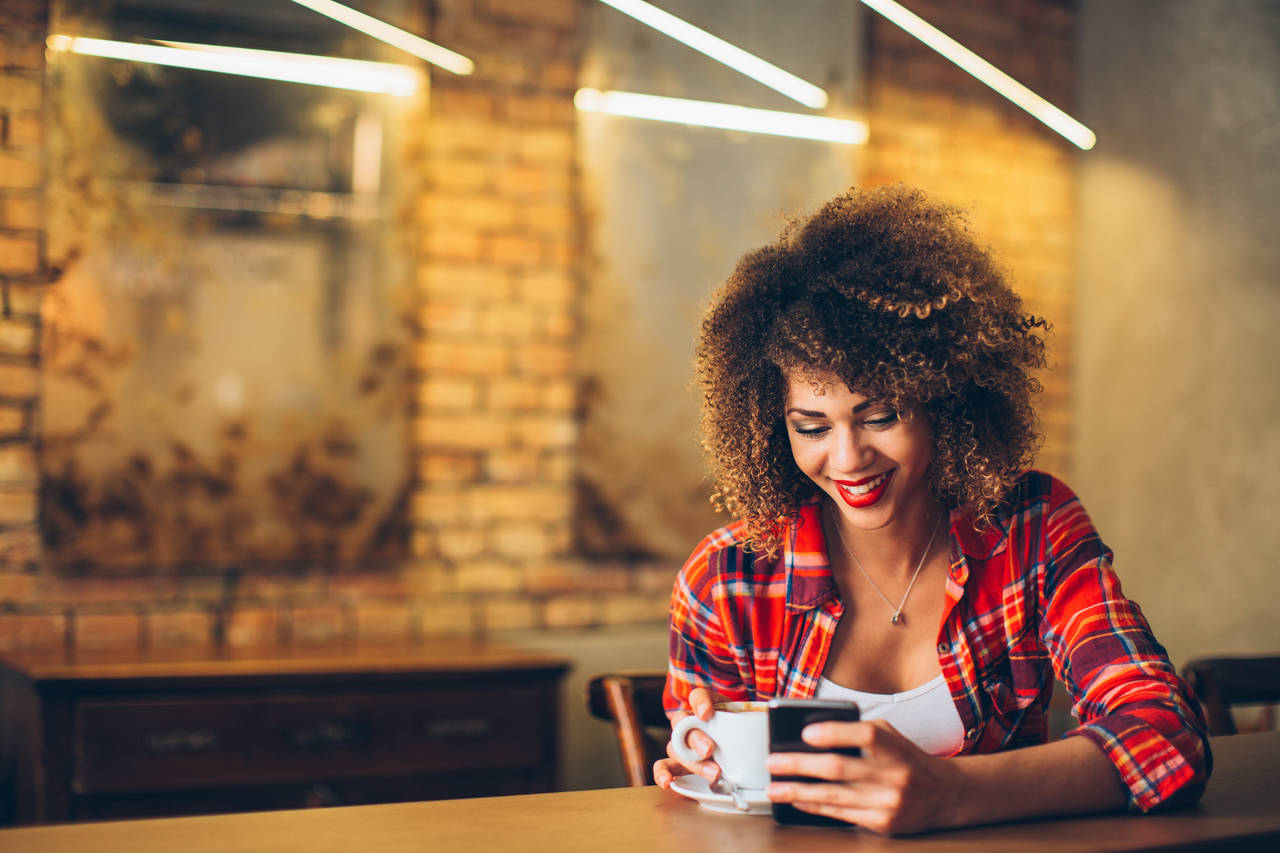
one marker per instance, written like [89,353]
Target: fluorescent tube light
[721,51]
[1046,112]
[726,116]
[330,71]
[394,36]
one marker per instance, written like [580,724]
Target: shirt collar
[808,568]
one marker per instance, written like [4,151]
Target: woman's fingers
[702,701]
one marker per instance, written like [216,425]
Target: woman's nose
[850,455]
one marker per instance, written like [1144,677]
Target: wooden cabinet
[136,735]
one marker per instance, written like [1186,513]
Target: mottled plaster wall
[1178,396]
[670,209]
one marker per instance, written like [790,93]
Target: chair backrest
[1222,682]
[632,701]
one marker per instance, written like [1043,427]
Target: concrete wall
[1177,391]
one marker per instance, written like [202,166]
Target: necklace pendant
[897,618]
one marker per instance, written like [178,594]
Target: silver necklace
[896,619]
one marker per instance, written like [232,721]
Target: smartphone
[787,719]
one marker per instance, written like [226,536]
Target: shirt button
[943,648]
[971,734]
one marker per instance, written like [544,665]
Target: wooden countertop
[1239,812]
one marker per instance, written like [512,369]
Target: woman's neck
[892,551]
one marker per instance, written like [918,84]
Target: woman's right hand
[665,770]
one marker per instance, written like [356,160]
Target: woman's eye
[811,432]
[883,421]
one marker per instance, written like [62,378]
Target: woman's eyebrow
[808,413]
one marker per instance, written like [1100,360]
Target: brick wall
[500,240]
[22,33]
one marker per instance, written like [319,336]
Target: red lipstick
[869,497]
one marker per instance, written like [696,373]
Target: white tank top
[926,715]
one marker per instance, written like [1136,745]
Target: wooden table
[1240,811]
[147,734]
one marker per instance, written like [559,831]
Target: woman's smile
[865,492]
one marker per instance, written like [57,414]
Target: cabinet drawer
[159,744]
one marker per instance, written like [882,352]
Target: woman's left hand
[893,788]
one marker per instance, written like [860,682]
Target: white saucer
[697,788]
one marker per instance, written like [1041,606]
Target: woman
[867,383]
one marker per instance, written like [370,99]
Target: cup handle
[681,731]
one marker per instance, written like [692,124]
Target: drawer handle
[181,740]
[329,736]
[460,728]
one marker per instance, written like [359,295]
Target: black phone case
[787,719]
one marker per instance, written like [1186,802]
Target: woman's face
[872,462]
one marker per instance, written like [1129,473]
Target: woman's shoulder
[1038,490]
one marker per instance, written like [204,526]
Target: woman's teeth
[863,488]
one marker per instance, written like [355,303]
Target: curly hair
[890,293]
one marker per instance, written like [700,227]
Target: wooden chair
[1220,683]
[632,701]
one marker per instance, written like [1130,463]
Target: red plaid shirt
[1031,598]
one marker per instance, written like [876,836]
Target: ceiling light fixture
[1046,112]
[379,77]
[394,36]
[726,116]
[721,51]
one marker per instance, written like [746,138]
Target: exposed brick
[13,421]
[474,357]
[20,170]
[438,506]
[488,576]
[523,541]
[549,286]
[550,147]
[469,211]
[18,381]
[634,608]
[460,175]
[358,586]
[454,244]
[455,102]
[460,431]
[514,465]
[572,611]
[17,337]
[538,109]
[24,301]
[559,576]
[549,359]
[107,631]
[317,624]
[515,393]
[447,616]
[448,393]
[190,628]
[464,280]
[32,631]
[21,90]
[26,131]
[448,467]
[507,614]
[17,466]
[516,250]
[461,543]
[382,622]
[451,318]
[548,431]
[19,255]
[18,507]
[508,322]
[522,180]
[536,502]
[247,627]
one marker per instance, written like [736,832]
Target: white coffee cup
[741,733]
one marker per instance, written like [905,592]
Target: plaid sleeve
[1128,697]
[701,652]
